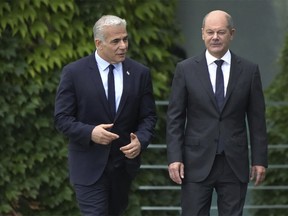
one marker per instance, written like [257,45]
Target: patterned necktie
[111,91]
[219,92]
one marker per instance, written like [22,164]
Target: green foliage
[38,37]
[33,174]
[277,118]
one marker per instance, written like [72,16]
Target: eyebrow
[119,39]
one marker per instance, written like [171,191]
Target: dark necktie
[111,91]
[219,94]
[219,91]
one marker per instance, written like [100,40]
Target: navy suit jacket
[194,142]
[81,104]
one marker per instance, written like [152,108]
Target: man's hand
[176,172]
[101,135]
[257,173]
[132,149]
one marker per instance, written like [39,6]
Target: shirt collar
[103,64]
[210,59]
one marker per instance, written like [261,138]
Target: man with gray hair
[105,106]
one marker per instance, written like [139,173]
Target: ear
[98,43]
[232,32]
[202,31]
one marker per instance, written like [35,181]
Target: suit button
[220,119]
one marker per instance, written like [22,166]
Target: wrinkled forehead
[216,22]
[115,31]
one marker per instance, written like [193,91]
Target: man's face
[216,34]
[115,45]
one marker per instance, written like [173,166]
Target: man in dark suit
[107,132]
[207,136]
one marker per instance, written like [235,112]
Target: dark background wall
[261,26]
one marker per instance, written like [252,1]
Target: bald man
[212,96]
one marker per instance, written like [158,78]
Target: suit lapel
[127,79]
[100,91]
[235,71]
[203,74]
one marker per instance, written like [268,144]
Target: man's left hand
[257,173]
[132,149]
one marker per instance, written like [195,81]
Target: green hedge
[277,126]
[38,37]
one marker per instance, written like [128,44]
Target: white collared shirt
[118,77]
[225,68]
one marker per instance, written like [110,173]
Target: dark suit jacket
[81,104]
[194,141]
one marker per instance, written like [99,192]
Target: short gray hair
[104,21]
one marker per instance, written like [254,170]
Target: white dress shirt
[212,67]
[118,77]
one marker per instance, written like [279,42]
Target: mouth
[121,54]
[216,45]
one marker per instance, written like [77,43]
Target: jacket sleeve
[147,113]
[176,117]
[257,122]
[65,114]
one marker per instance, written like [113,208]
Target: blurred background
[39,37]
[260,25]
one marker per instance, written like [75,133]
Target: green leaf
[38,29]
[4,8]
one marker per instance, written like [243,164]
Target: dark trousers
[196,197]
[108,196]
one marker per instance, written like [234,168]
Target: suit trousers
[109,195]
[196,197]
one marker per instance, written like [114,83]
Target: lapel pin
[128,73]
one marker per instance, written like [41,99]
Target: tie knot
[111,67]
[219,62]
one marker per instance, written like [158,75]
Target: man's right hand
[176,172]
[101,135]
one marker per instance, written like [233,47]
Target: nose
[123,44]
[215,35]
